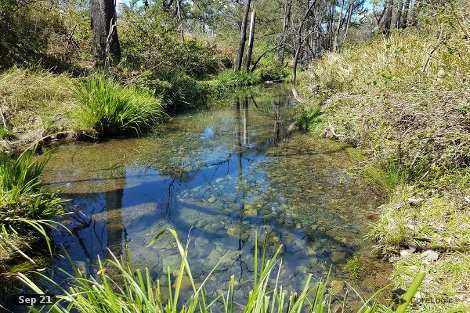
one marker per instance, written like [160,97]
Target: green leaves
[112,109]
[119,287]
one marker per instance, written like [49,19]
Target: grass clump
[25,210]
[111,109]
[35,104]
[134,290]
[452,268]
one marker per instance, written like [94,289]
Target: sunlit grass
[134,290]
[110,108]
[25,209]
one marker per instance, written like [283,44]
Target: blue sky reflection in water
[220,176]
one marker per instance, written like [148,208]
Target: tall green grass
[25,209]
[228,80]
[111,109]
[34,99]
[134,290]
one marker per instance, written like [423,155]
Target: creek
[220,176]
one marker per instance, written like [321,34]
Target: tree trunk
[241,47]
[287,14]
[387,21]
[179,15]
[412,13]
[348,19]
[331,25]
[397,19]
[300,42]
[104,26]
[404,15]
[338,28]
[250,41]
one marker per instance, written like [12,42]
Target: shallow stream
[220,176]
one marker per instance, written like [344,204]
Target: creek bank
[414,126]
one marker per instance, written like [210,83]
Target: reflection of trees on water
[265,128]
[277,120]
[115,228]
[87,229]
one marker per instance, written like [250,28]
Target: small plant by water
[25,210]
[111,109]
[134,290]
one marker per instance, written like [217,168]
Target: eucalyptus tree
[105,35]
[241,45]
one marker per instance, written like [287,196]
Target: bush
[177,90]
[42,32]
[150,42]
[111,109]
[228,80]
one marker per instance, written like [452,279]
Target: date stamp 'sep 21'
[33,299]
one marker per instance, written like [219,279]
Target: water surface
[221,177]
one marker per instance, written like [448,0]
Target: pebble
[337,287]
[430,255]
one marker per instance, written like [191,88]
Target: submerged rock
[171,261]
[337,287]
[337,256]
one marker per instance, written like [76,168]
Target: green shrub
[308,116]
[4,133]
[228,80]
[110,108]
[151,42]
[181,92]
[177,90]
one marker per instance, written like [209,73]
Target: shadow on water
[221,176]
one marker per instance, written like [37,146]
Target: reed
[135,291]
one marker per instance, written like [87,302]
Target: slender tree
[338,27]
[285,30]
[404,16]
[348,18]
[398,15]
[104,26]
[300,40]
[241,47]
[250,41]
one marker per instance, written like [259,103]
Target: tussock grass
[228,80]
[110,108]
[135,291]
[25,210]
[36,101]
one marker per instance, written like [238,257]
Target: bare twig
[1,113]
[440,42]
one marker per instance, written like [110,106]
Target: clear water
[220,177]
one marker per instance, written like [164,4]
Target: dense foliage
[110,109]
